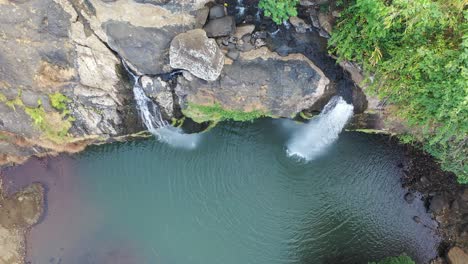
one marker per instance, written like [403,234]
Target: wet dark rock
[409,197]
[220,27]
[217,11]
[359,99]
[233,54]
[464,195]
[201,17]
[424,180]
[455,205]
[439,203]
[144,48]
[299,24]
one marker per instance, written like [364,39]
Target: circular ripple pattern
[238,198]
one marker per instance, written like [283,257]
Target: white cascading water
[312,139]
[240,7]
[154,122]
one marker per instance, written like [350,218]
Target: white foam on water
[312,139]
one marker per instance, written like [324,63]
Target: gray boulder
[220,27]
[195,52]
[217,11]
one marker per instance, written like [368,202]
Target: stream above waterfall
[235,198]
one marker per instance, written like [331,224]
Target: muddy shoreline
[444,197]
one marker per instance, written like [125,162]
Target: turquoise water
[236,198]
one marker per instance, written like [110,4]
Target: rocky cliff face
[63,85]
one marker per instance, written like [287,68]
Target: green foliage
[38,115]
[59,101]
[215,113]
[402,259]
[279,10]
[418,53]
[55,126]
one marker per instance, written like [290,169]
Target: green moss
[402,259]
[59,102]
[4,137]
[177,122]
[305,115]
[55,126]
[369,131]
[216,113]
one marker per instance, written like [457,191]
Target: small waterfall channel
[150,114]
[312,139]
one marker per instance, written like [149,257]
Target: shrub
[279,10]
[216,113]
[417,52]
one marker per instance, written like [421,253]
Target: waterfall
[312,139]
[151,116]
[149,111]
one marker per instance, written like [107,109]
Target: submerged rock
[19,212]
[409,197]
[195,52]
[259,80]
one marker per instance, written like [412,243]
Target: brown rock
[457,256]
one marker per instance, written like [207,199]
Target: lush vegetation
[53,125]
[216,113]
[279,10]
[403,259]
[417,54]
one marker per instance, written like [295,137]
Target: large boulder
[141,31]
[74,49]
[195,52]
[457,256]
[260,80]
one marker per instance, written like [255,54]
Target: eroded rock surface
[260,80]
[17,214]
[72,49]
